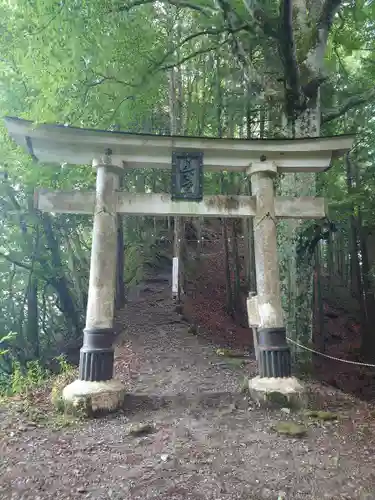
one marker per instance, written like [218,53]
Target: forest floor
[207,439]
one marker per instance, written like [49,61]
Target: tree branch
[315,57]
[351,103]
[91,85]
[126,98]
[329,9]
[336,51]
[205,10]
[45,26]
[115,80]
[265,23]
[233,21]
[16,262]
[214,32]
[194,54]
[288,55]
[18,72]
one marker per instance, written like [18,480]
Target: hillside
[204,305]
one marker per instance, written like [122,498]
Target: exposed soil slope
[205,306]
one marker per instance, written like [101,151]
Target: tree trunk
[59,281]
[236,256]
[76,266]
[248,234]
[199,225]
[355,269]
[237,267]
[120,260]
[297,283]
[32,326]
[302,51]
[176,127]
[175,124]
[318,338]
[177,259]
[120,266]
[368,336]
[367,298]
[228,280]
[140,188]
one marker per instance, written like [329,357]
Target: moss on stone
[234,362]
[278,392]
[229,353]
[222,202]
[58,385]
[278,398]
[141,429]
[86,399]
[290,429]
[244,387]
[80,408]
[321,415]
[223,352]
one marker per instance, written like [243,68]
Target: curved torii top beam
[79,146]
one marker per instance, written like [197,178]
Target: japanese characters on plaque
[187,176]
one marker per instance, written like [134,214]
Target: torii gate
[112,152]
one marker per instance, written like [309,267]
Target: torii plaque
[109,153]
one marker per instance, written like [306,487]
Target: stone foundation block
[285,392]
[86,398]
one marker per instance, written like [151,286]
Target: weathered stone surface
[268,300]
[53,144]
[161,204]
[101,296]
[89,398]
[278,392]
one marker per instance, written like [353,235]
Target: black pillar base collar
[274,358]
[97,355]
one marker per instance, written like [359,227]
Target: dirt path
[209,441]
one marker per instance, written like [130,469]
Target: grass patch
[34,395]
[66,377]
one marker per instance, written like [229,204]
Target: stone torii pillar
[96,389]
[274,382]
